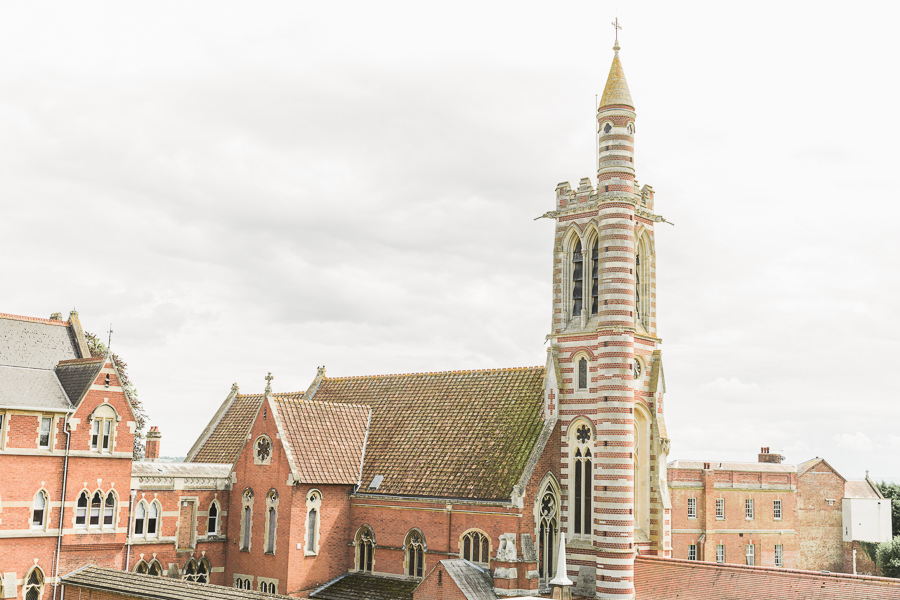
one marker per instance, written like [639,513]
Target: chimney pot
[151,449]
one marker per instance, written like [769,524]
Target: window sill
[245,549]
[308,553]
[267,553]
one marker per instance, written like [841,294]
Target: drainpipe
[128,529]
[62,507]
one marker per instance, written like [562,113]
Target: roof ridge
[73,361]
[34,320]
[452,372]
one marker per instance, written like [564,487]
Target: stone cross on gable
[269,379]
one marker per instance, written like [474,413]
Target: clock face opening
[637,369]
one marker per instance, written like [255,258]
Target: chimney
[766,456]
[151,450]
[80,340]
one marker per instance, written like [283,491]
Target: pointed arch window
[81,509]
[142,567]
[595,277]
[415,554]
[476,547]
[577,279]
[581,441]
[642,282]
[313,505]
[153,519]
[271,520]
[212,519]
[246,519]
[548,534]
[39,510]
[156,568]
[109,510]
[140,518]
[365,550]
[197,571]
[146,519]
[34,584]
[96,509]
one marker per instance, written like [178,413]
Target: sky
[239,188]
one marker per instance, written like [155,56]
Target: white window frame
[103,429]
[720,509]
[748,509]
[45,510]
[692,552]
[777,509]
[751,555]
[692,508]
[313,504]
[213,531]
[779,555]
[45,419]
[720,553]
[267,585]
[145,521]
[242,582]
[86,509]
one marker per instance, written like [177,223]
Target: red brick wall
[821,523]
[438,585]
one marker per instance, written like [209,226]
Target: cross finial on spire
[617,28]
[269,379]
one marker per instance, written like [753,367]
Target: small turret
[615,123]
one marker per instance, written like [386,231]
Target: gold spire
[616,90]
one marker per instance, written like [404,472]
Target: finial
[616,27]
[269,379]
[235,388]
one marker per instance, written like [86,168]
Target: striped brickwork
[615,215]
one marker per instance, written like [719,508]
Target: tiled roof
[664,578]
[364,586]
[77,375]
[152,587]
[339,431]
[734,466]
[34,343]
[616,90]
[31,388]
[474,582]
[861,489]
[457,434]
[225,440]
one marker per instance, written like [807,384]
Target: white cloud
[858,441]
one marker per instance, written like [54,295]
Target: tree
[892,491]
[98,348]
[888,558]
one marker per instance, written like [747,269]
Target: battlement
[586,193]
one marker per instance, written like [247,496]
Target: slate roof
[225,440]
[658,578]
[35,343]
[32,388]
[455,434]
[152,587]
[474,582]
[179,469]
[339,431]
[365,586]
[76,376]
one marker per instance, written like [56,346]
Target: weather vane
[617,27]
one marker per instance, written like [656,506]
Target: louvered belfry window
[595,278]
[577,279]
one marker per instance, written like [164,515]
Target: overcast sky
[241,188]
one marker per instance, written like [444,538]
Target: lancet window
[577,279]
[415,554]
[581,443]
[476,547]
[595,278]
[548,533]
[365,549]
[34,584]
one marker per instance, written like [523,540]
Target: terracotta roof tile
[326,441]
[455,434]
[659,578]
[364,586]
[227,437]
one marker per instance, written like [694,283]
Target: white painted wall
[867,519]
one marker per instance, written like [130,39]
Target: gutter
[62,507]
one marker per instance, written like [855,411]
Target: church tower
[605,362]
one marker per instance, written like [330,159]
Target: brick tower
[605,355]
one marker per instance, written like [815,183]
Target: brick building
[804,516]
[390,479]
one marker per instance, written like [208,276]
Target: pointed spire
[561,578]
[616,90]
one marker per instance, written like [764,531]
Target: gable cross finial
[617,28]
[269,379]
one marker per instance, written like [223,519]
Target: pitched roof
[365,586]
[223,439]
[734,466]
[149,468]
[35,343]
[474,582]
[861,489]
[152,587]
[455,434]
[616,90]
[339,431]
[77,375]
[32,388]
[658,578]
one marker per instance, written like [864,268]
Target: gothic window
[39,510]
[81,508]
[142,568]
[595,278]
[156,568]
[153,519]
[577,279]
[102,428]
[582,481]
[642,282]
[313,505]
[140,516]
[476,547]
[415,554]
[109,510]
[262,451]
[96,508]
[641,459]
[582,373]
[34,584]
[212,519]
[241,582]
[197,570]
[365,549]
[548,534]
[246,519]
[271,520]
